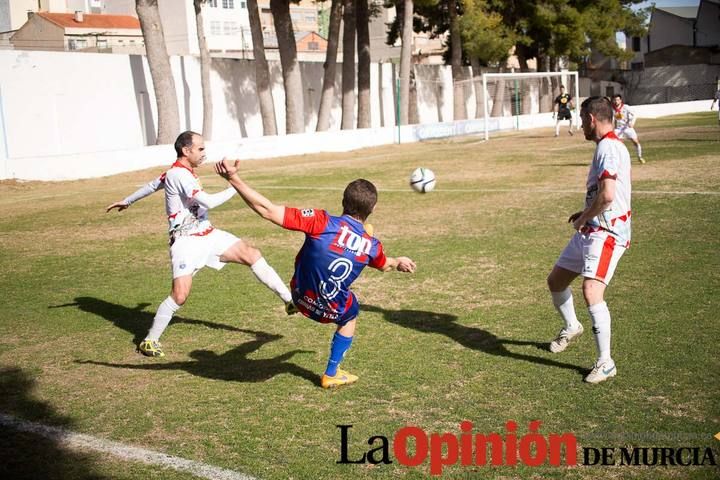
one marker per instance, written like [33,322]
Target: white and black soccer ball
[422,180]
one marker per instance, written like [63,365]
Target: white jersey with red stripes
[183,210]
[611,160]
[624,117]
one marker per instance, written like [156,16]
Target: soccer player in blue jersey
[336,250]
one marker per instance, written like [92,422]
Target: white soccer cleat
[563,338]
[601,371]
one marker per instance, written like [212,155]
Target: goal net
[515,100]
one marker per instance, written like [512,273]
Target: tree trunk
[160,71]
[405,60]
[477,82]
[205,64]
[525,85]
[459,109]
[262,72]
[498,97]
[348,70]
[328,89]
[363,72]
[294,105]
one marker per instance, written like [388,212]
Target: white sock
[600,316]
[563,302]
[639,150]
[269,277]
[164,314]
[557,128]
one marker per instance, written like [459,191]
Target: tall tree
[406,59]
[348,69]
[363,71]
[205,64]
[292,79]
[160,71]
[328,89]
[459,111]
[262,71]
[486,40]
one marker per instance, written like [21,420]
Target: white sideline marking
[78,441]
[491,190]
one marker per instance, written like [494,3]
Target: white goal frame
[519,76]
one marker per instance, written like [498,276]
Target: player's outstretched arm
[140,193]
[119,205]
[401,264]
[261,205]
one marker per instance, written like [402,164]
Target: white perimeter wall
[81,115]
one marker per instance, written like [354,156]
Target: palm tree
[328,89]
[405,60]
[262,72]
[348,71]
[294,109]
[363,70]
[205,64]
[160,71]
[459,111]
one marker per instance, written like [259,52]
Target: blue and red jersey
[335,251]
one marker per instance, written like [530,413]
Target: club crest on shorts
[307,212]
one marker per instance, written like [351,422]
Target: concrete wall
[97,115]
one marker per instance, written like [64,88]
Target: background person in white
[194,242]
[716,99]
[602,234]
[625,124]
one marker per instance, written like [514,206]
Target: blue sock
[340,345]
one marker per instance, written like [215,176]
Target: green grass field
[464,338]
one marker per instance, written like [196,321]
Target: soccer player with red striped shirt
[602,234]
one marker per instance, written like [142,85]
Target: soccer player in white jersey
[625,124]
[194,242]
[602,234]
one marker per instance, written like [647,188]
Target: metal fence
[670,94]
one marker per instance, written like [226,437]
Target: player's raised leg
[244,254]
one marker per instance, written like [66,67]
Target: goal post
[508,96]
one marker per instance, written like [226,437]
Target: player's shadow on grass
[34,450]
[233,365]
[469,337]
[132,319]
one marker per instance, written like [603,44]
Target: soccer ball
[422,180]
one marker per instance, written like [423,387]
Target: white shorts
[191,253]
[626,132]
[592,255]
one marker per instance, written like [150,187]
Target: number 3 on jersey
[340,269]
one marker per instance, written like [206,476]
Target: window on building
[102,43]
[228,3]
[313,46]
[636,44]
[215,27]
[609,91]
[212,3]
[231,28]
[77,44]
[310,18]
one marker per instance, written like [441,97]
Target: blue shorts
[323,317]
